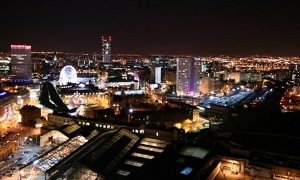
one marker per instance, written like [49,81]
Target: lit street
[23,139]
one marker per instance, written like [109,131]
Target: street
[22,156]
[18,148]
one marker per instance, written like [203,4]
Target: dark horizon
[203,27]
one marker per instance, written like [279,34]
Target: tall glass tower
[106,48]
[21,61]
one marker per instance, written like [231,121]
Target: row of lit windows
[143,119]
[98,125]
[84,123]
[18,54]
[140,131]
[65,87]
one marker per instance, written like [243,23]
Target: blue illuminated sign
[3,93]
[186,171]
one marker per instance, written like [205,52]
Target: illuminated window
[123,172]
[150,148]
[134,163]
[154,142]
[142,155]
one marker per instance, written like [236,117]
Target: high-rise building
[21,61]
[158,75]
[106,48]
[4,67]
[188,76]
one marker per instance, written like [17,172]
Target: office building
[210,85]
[4,67]
[236,76]
[251,76]
[188,76]
[21,61]
[170,76]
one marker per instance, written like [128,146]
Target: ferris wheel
[67,75]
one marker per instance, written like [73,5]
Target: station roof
[107,156]
[264,130]
[196,152]
[70,129]
[121,154]
[284,145]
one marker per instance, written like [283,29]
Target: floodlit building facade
[236,76]
[210,85]
[188,76]
[158,75]
[21,61]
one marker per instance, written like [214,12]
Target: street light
[129,115]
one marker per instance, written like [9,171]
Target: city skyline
[204,27]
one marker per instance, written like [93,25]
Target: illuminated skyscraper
[106,48]
[188,76]
[158,75]
[21,61]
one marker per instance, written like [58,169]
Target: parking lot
[9,168]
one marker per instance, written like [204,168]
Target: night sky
[182,27]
